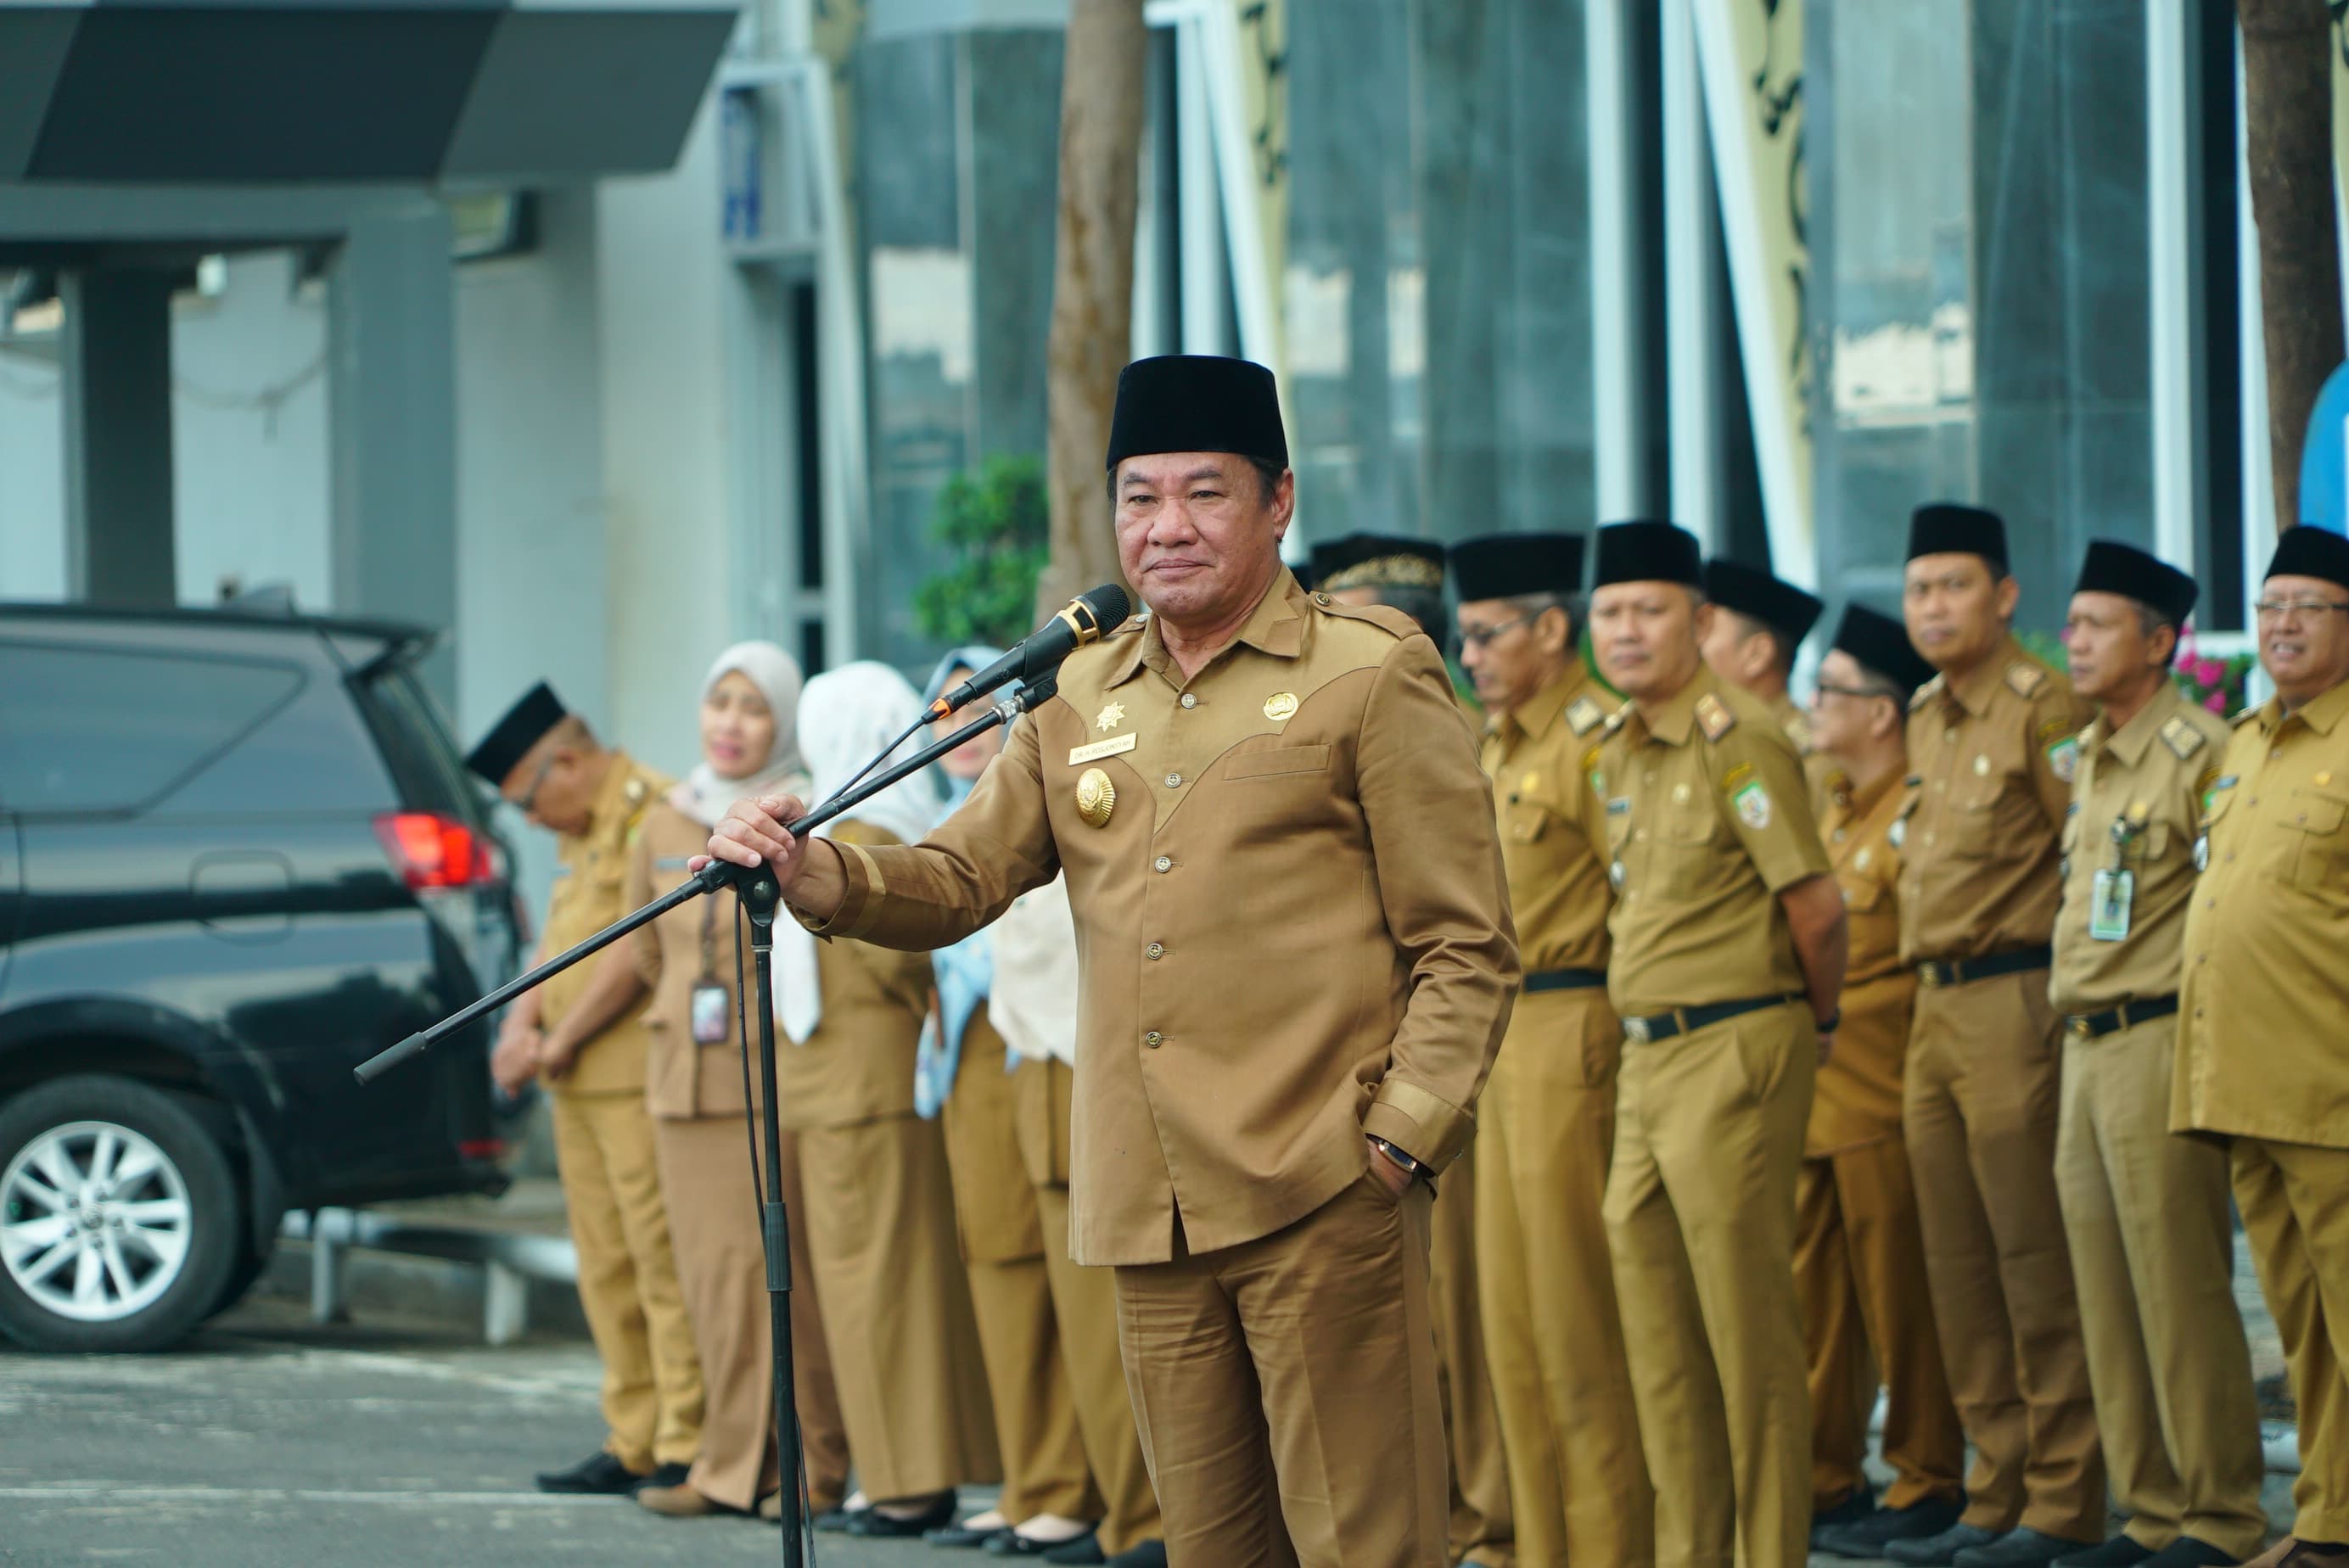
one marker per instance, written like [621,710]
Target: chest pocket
[2320,850]
[1531,816]
[1686,835]
[1995,822]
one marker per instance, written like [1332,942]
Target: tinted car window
[414,740]
[89,729]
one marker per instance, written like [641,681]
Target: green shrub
[993,526]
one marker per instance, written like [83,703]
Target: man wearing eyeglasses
[1546,1124]
[2261,1060]
[582,1034]
[1859,1260]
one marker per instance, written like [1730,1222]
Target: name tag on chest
[1080,755]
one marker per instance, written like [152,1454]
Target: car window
[414,736]
[93,729]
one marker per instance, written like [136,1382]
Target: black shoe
[1857,1505]
[2120,1552]
[1918,1552]
[1082,1549]
[2019,1549]
[598,1475]
[1868,1537]
[2187,1552]
[964,1535]
[663,1475]
[1143,1554]
[840,1520]
[873,1524]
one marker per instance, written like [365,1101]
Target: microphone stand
[760,896]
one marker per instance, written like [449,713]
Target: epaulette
[1583,716]
[2245,717]
[1713,717]
[1930,689]
[1386,618]
[1615,720]
[2024,678]
[635,792]
[2182,738]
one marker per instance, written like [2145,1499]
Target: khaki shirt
[2263,1030]
[2135,806]
[1856,1101]
[1291,924]
[1709,818]
[1818,770]
[1993,756]
[589,894]
[858,1064]
[1553,835]
[691,946]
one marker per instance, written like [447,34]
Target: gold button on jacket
[1326,886]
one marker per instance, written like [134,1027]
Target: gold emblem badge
[1280,707]
[1096,798]
[1112,716]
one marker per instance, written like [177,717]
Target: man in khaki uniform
[2260,1053]
[1407,574]
[1728,955]
[2153,1246]
[1859,1260]
[583,1034]
[1297,963]
[1759,623]
[1546,1124]
[1993,742]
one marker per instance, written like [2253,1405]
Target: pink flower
[2209,671]
[2217,703]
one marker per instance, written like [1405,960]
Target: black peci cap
[510,738]
[1377,561]
[1196,403]
[1504,565]
[1648,553]
[1948,528]
[1881,646]
[2311,552]
[2112,567]
[1780,605]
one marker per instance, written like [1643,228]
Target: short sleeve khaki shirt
[2130,835]
[1856,1101]
[2262,1044]
[590,880]
[1708,819]
[1553,841]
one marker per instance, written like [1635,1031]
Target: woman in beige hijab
[695,1090]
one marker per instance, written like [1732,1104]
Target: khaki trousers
[897,1307]
[721,1268]
[1044,1468]
[628,1278]
[1859,1272]
[2295,1205]
[1700,1219]
[1553,1339]
[1979,1107]
[2153,1248]
[1481,1531]
[1286,1391]
[1084,1314]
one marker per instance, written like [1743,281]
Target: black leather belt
[1935,973]
[1688,1020]
[1565,980]
[2128,1016]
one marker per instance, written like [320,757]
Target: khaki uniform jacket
[1817,769]
[1291,923]
[1707,821]
[1553,835]
[1993,756]
[858,1064]
[675,954]
[590,887]
[1857,1100]
[2135,807]
[2262,1047]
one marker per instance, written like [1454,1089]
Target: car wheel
[252,1260]
[119,1217]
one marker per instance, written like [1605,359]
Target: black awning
[346,90]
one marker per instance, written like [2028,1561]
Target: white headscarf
[704,796]
[846,716]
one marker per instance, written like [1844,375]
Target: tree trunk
[2288,120]
[1092,286]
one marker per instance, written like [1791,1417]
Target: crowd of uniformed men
[1915,1042]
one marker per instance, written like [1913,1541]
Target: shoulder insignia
[1584,716]
[1392,622]
[635,792]
[1713,717]
[1925,693]
[2050,728]
[2024,678]
[2245,717]
[2181,737]
[1738,774]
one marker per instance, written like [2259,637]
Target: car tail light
[430,851]
[480,1148]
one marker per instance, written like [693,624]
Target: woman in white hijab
[694,1092]
[879,1220]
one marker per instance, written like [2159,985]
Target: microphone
[1088,618]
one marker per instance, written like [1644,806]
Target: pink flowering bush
[2218,685]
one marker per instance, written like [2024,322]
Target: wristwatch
[1400,1158]
[1831,1023]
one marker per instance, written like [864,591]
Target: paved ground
[269,1441]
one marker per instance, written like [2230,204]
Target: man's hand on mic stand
[752,831]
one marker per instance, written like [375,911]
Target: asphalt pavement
[267,1440]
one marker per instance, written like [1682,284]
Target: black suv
[238,856]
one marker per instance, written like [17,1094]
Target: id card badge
[2109,905]
[712,1024]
